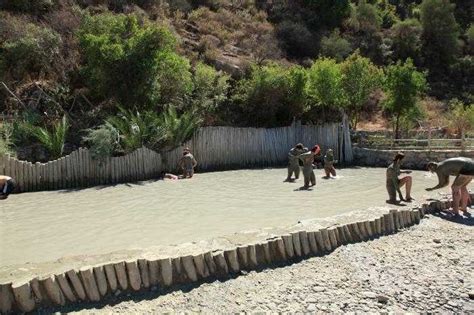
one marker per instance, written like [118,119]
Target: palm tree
[53,140]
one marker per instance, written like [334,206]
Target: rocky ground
[426,268]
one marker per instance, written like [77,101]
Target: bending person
[463,169]
[187,163]
[7,186]
[293,161]
[329,164]
[394,184]
[308,173]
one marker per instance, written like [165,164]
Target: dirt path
[425,268]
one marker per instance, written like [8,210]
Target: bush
[296,39]
[210,89]
[6,142]
[271,96]
[52,140]
[335,46]
[26,48]
[135,129]
[132,61]
[325,84]
[27,6]
[104,140]
[406,40]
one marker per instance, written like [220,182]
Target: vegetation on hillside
[128,73]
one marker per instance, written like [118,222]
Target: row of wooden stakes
[92,284]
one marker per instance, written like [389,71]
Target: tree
[406,39]
[272,96]
[403,86]
[460,117]
[470,38]
[364,25]
[210,89]
[440,34]
[335,46]
[360,78]
[325,83]
[132,61]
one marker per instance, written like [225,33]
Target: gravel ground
[426,268]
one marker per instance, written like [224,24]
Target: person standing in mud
[7,186]
[393,183]
[463,169]
[293,161]
[308,158]
[187,163]
[329,164]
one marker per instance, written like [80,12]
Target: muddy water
[46,226]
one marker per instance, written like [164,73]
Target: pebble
[382,299]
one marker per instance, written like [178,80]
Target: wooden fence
[219,148]
[79,169]
[213,147]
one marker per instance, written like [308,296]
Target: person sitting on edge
[187,163]
[463,169]
[293,161]
[7,185]
[329,164]
[394,183]
[308,158]
[164,175]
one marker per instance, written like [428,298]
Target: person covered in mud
[187,163]
[293,161]
[463,169]
[329,162]
[7,186]
[308,158]
[394,183]
[164,175]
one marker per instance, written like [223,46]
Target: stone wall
[96,283]
[416,160]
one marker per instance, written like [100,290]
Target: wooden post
[23,296]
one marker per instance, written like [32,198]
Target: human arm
[194,162]
[443,181]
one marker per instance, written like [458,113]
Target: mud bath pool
[46,226]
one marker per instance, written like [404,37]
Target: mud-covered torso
[188,161]
[457,166]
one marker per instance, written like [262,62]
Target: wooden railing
[384,143]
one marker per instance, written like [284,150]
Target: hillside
[227,62]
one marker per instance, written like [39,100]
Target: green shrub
[335,46]
[53,140]
[210,88]
[6,142]
[325,83]
[104,140]
[177,128]
[132,61]
[26,49]
[135,129]
[271,96]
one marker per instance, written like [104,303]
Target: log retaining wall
[92,284]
